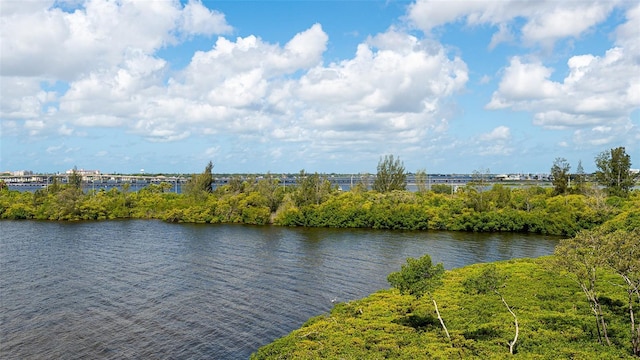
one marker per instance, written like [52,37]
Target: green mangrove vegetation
[547,315]
[315,203]
[478,206]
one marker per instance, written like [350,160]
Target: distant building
[22,173]
[509,177]
[84,172]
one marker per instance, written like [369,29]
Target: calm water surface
[152,290]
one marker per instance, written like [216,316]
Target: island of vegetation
[579,303]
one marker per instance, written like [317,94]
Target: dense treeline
[478,206]
[315,203]
[531,209]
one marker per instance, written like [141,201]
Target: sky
[325,86]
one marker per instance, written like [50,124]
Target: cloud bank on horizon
[446,86]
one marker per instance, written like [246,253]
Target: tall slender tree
[391,175]
[560,176]
[490,280]
[206,181]
[477,186]
[614,171]
[421,180]
[622,254]
[75,179]
[579,179]
[200,184]
[581,257]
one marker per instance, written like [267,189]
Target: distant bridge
[140,181]
[91,178]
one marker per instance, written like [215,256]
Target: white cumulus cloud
[495,142]
[394,87]
[43,41]
[499,133]
[600,91]
[597,90]
[539,22]
[197,19]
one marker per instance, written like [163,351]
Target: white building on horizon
[21,173]
[83,172]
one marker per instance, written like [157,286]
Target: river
[139,289]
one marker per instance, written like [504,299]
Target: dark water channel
[152,290]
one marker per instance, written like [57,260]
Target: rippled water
[148,289]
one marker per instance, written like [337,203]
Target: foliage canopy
[200,184]
[613,171]
[417,277]
[391,175]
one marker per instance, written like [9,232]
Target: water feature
[148,289]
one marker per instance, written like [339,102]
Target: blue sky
[325,86]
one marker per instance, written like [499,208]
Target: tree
[490,281]
[235,184]
[270,188]
[421,180]
[622,254]
[613,171]
[311,189]
[206,178]
[477,186]
[75,179]
[560,176]
[579,179]
[391,175]
[363,184]
[581,256]
[200,184]
[418,277]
